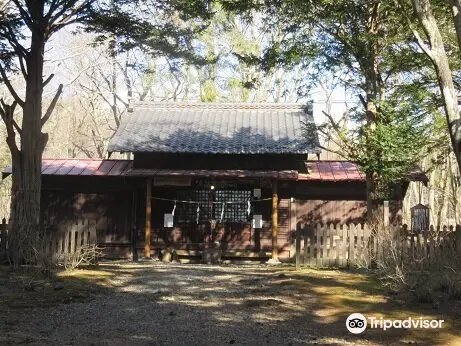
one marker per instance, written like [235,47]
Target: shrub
[423,265]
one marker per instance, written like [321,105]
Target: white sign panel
[257,221]
[168,220]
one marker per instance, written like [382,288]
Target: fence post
[343,249]
[307,246]
[386,213]
[348,245]
[298,248]
[318,232]
[458,237]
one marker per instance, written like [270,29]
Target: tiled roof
[317,171]
[227,128]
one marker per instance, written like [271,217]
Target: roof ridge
[80,159]
[219,105]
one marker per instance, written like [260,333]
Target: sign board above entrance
[172,181]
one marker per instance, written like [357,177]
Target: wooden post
[148,217]
[307,241]
[457,238]
[293,224]
[275,225]
[134,235]
[386,213]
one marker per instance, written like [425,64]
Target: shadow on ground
[201,304]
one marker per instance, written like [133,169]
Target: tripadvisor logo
[357,323]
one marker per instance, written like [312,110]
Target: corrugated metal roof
[332,171]
[89,167]
[317,171]
[229,128]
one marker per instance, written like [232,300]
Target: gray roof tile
[233,128]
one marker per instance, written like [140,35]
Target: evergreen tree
[366,41]
[26,26]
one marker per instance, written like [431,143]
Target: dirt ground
[181,304]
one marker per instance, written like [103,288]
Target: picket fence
[342,245]
[59,245]
[64,244]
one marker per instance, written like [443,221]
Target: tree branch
[6,113]
[13,40]
[10,87]
[23,67]
[11,115]
[53,7]
[50,77]
[24,15]
[84,150]
[50,109]
[415,32]
[66,19]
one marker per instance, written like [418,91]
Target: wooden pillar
[148,217]
[134,233]
[275,216]
[293,224]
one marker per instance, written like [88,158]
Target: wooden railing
[336,245]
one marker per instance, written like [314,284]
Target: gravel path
[173,304]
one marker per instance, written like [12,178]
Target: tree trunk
[456,9]
[436,52]
[26,177]
[371,72]
[371,176]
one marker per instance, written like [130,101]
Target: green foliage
[209,92]
[373,47]
[389,152]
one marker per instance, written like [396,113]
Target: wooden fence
[345,245]
[58,245]
[63,245]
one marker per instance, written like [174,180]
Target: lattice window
[187,212]
[211,204]
[233,212]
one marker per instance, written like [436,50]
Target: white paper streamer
[174,208]
[222,212]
